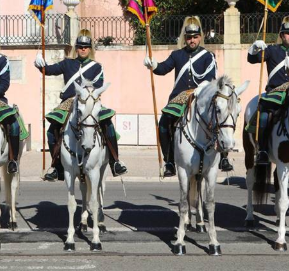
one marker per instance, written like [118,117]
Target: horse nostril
[88,150]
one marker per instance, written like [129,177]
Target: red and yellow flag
[137,7]
[272,4]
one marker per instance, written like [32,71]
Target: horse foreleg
[280,243]
[179,248]
[70,244]
[94,206]
[250,179]
[214,246]
[84,212]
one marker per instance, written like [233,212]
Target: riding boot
[262,157]
[117,168]
[12,166]
[224,164]
[167,147]
[58,171]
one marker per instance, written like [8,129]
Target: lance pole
[261,69]
[43,86]
[148,37]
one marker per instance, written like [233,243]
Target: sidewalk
[142,164]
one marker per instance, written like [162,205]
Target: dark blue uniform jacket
[274,54]
[4,77]
[68,67]
[177,60]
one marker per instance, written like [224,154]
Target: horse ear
[242,88]
[78,88]
[100,90]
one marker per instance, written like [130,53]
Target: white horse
[11,181]
[84,155]
[199,138]
[259,176]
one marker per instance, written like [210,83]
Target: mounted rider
[81,64]
[193,65]
[8,117]
[277,61]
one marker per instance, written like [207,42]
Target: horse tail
[262,181]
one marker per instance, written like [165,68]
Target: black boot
[58,171]
[224,164]
[117,168]
[262,157]
[170,170]
[166,133]
[12,166]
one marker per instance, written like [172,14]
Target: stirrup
[169,169]
[262,159]
[12,167]
[118,168]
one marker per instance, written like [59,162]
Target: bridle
[213,127]
[80,125]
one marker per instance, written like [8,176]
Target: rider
[7,117]
[82,63]
[193,65]
[277,61]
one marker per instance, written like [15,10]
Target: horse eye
[218,110]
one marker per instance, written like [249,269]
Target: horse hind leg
[179,246]
[84,212]
[250,179]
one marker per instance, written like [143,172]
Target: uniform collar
[83,60]
[284,48]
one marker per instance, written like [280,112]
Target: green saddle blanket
[60,115]
[175,109]
[7,111]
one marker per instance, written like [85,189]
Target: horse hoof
[102,229]
[82,227]
[69,247]
[215,250]
[95,247]
[179,249]
[249,223]
[190,228]
[12,225]
[201,228]
[280,247]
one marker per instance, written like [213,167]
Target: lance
[43,85]
[148,37]
[261,69]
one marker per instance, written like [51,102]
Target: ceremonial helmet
[191,26]
[284,28]
[84,39]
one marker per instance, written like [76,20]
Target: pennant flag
[137,7]
[272,4]
[35,8]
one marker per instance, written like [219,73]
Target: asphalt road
[141,230]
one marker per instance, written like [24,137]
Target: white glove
[39,61]
[150,63]
[287,63]
[257,46]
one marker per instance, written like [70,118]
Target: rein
[212,132]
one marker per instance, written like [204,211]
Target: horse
[84,155]
[200,136]
[258,176]
[11,181]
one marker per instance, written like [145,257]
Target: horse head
[87,107]
[227,110]
[221,112]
